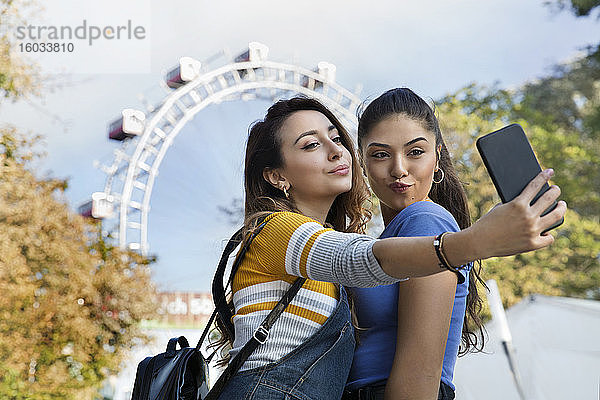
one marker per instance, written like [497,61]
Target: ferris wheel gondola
[186,71]
[130,124]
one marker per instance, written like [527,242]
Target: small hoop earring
[441,179]
[285,192]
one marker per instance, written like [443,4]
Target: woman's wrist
[460,248]
[438,244]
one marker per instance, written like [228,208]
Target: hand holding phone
[512,164]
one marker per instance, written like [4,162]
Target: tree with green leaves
[566,148]
[580,8]
[571,266]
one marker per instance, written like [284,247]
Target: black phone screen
[511,163]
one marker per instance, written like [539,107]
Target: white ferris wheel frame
[234,81]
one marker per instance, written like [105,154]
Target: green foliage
[563,135]
[580,8]
[565,141]
[567,98]
[576,162]
[71,302]
[570,267]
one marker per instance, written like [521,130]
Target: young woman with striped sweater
[301,173]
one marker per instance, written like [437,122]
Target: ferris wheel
[146,136]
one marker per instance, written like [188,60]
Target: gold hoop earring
[442,177]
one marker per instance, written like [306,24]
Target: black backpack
[172,375]
[183,374]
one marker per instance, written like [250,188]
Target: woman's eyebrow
[387,146]
[415,140]
[313,132]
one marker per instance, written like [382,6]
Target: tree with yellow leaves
[17,76]
[71,302]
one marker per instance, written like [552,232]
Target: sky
[434,47]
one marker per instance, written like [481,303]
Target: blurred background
[83,292]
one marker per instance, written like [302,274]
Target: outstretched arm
[511,228]
[297,245]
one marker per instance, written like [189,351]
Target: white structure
[131,175]
[557,349]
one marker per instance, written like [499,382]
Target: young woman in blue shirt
[301,171]
[412,329]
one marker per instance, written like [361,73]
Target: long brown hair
[449,193]
[263,150]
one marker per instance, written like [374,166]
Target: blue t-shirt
[377,308]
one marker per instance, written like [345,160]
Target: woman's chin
[342,191]
[346,188]
[398,206]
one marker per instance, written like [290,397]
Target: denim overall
[315,370]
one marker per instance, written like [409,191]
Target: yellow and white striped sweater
[288,246]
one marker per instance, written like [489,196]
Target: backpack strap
[218,288]
[218,291]
[222,310]
[259,337]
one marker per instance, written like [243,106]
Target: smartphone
[511,163]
